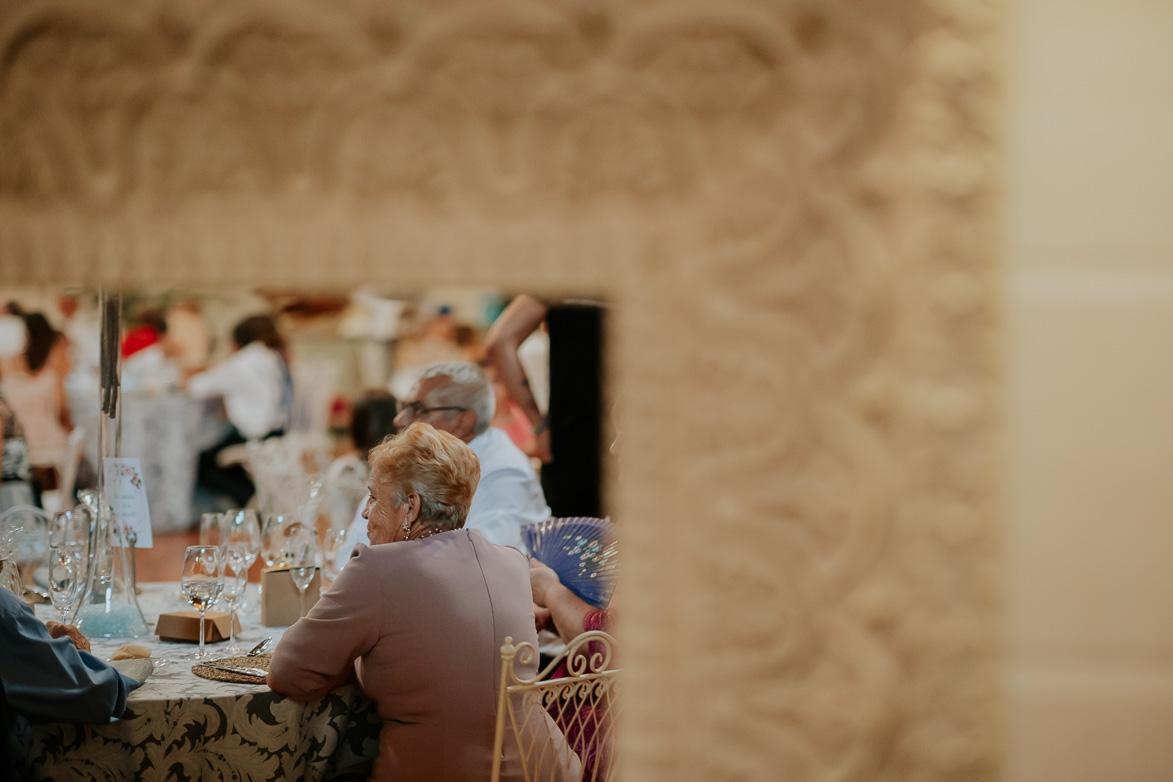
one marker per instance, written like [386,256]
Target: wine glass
[236,563]
[241,529]
[301,557]
[274,536]
[66,577]
[211,533]
[202,582]
[70,528]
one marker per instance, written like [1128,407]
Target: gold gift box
[185,626]
[280,604]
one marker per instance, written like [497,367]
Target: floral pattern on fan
[582,550]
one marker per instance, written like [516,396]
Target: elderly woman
[420,616]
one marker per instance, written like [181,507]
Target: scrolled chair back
[583,704]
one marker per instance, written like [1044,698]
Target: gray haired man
[456,397]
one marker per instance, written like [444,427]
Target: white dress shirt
[252,383]
[507,498]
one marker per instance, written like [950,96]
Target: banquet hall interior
[889,292]
[341,347]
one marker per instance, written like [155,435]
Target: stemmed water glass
[67,577]
[68,544]
[202,582]
[301,557]
[274,536]
[241,529]
[211,529]
[236,563]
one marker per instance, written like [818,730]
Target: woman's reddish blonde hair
[433,464]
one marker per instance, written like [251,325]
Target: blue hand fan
[583,551]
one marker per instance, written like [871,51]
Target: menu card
[127,495]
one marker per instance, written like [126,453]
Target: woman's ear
[413,508]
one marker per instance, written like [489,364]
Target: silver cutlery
[238,669]
[256,650]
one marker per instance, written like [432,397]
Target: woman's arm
[317,654]
[566,609]
[523,315]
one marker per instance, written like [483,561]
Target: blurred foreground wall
[794,207]
[1090,392]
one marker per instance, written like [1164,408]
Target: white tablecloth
[179,725]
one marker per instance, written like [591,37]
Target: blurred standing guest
[508,416]
[34,385]
[82,328]
[428,657]
[255,386]
[15,488]
[568,437]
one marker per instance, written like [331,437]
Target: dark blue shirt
[48,679]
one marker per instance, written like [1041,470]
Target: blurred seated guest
[15,488]
[455,397]
[33,382]
[48,673]
[420,616]
[187,335]
[255,386]
[147,362]
[571,616]
[147,329]
[372,420]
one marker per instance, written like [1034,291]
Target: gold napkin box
[280,605]
[185,626]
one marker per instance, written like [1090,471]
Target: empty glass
[236,562]
[301,557]
[202,582]
[67,578]
[278,527]
[241,528]
[210,529]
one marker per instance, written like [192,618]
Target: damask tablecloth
[179,726]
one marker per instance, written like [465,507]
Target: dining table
[180,726]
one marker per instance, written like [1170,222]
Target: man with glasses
[456,397]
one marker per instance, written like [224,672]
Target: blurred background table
[167,431]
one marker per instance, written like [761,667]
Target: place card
[127,495]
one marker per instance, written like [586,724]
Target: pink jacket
[425,620]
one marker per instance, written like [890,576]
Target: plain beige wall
[1090,399]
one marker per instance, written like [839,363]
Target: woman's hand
[57,630]
[541,580]
[543,619]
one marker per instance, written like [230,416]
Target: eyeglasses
[416,409]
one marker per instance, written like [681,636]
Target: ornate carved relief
[791,203]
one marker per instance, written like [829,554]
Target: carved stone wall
[793,206]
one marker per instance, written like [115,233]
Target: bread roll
[130,652]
